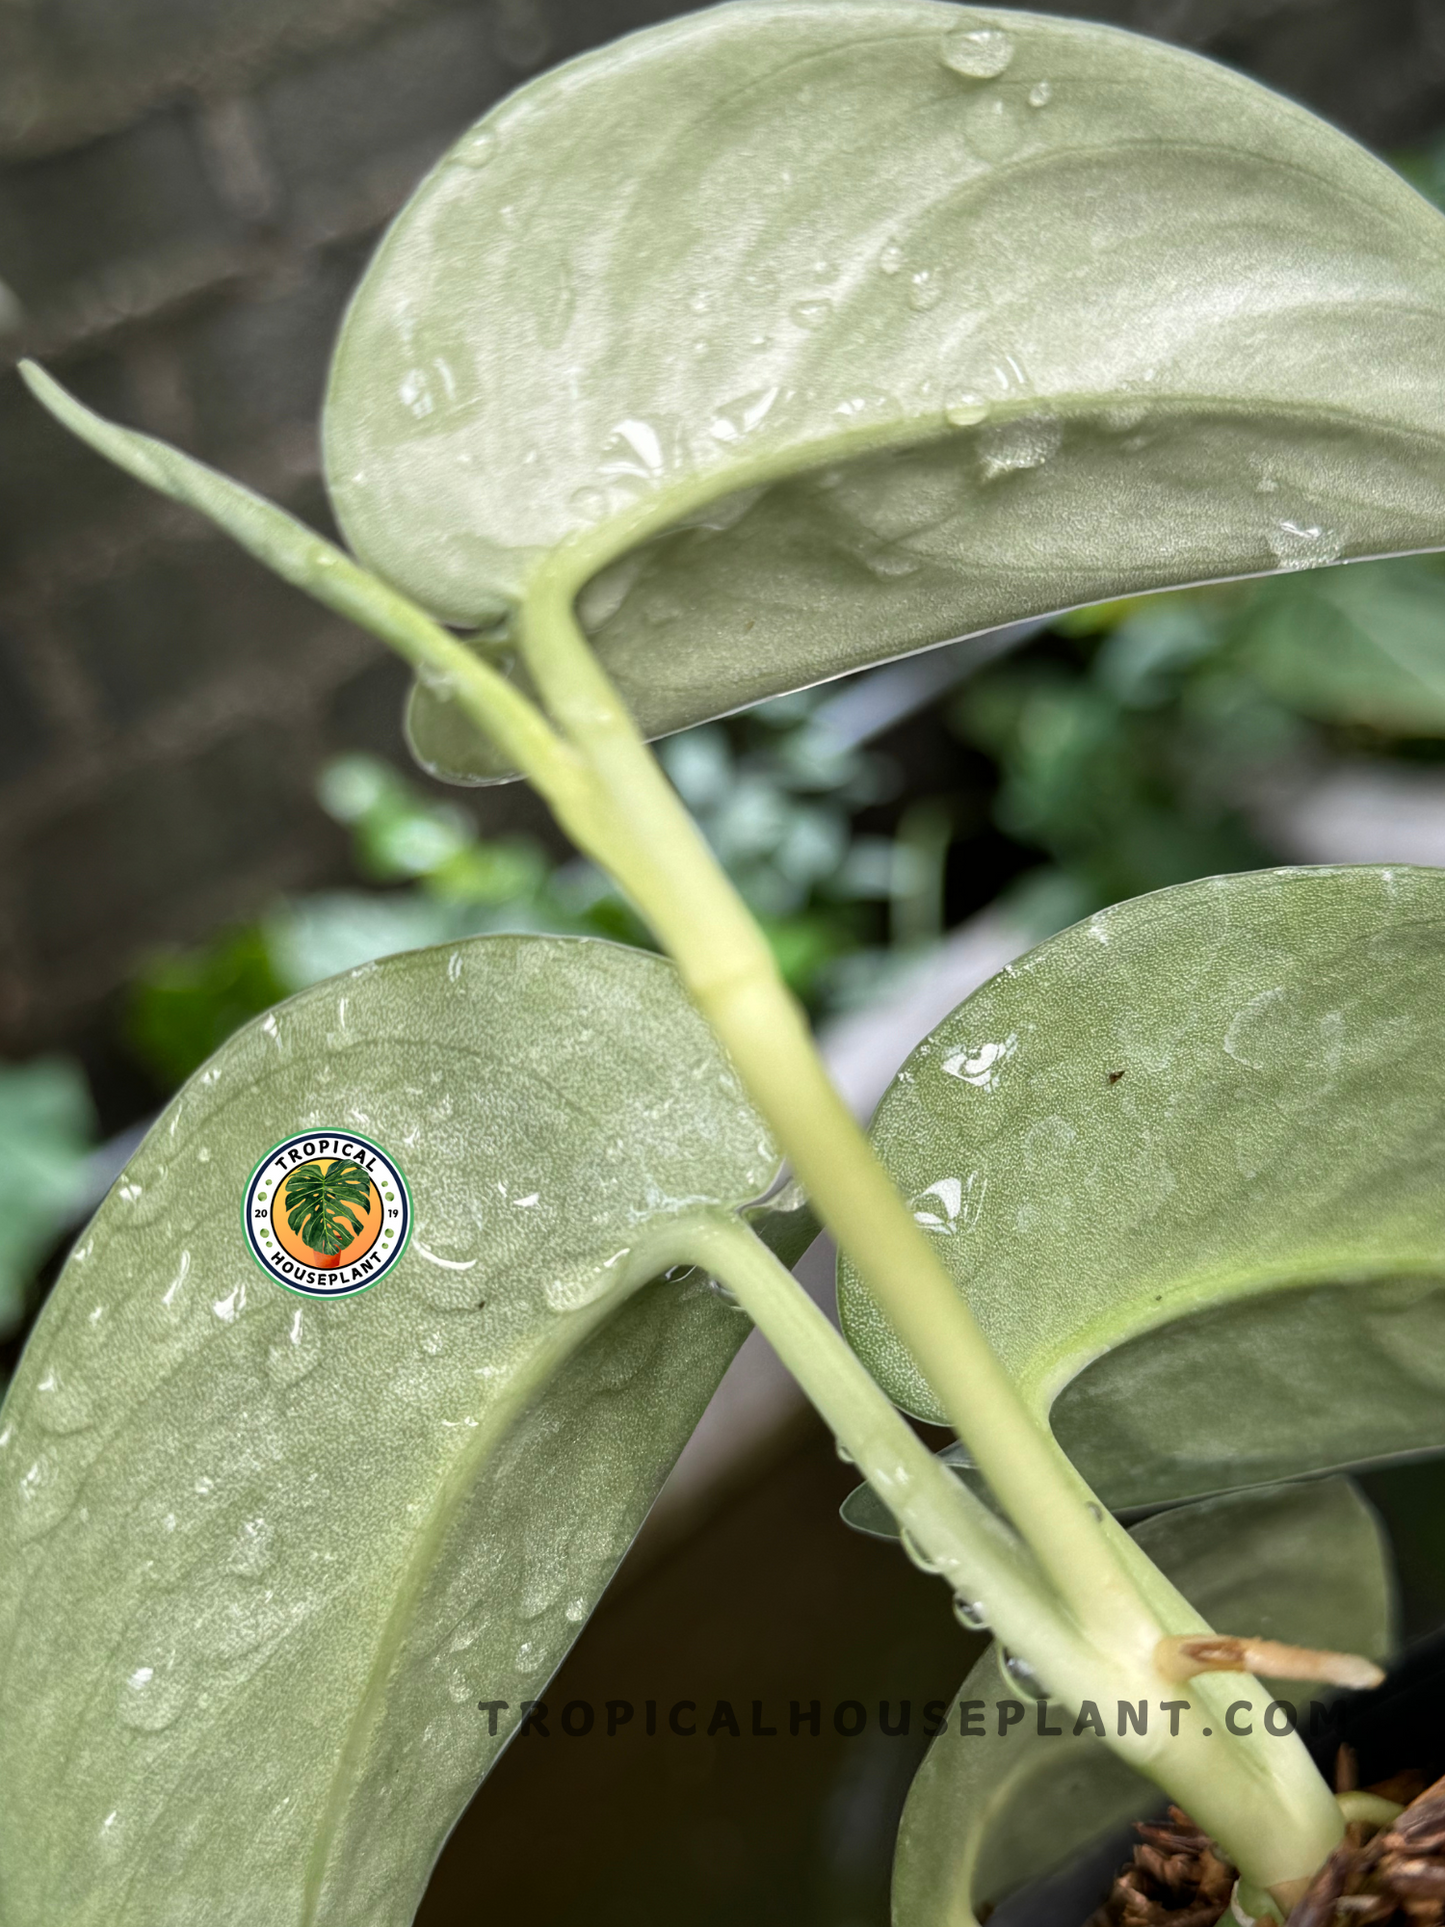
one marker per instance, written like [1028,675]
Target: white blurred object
[1363,812]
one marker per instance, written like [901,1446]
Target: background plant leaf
[1184,1159]
[1362,645]
[850,328]
[264,1556]
[1306,1563]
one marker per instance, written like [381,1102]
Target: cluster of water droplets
[639,454]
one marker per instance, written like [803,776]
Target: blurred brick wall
[188,190]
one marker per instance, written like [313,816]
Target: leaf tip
[45,388]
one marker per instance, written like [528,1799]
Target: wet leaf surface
[265,1555]
[1183,1159]
[833,337]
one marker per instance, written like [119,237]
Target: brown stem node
[1183,1658]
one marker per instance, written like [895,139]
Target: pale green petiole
[1080,1603]
[1263,1800]
[950,1530]
[310,562]
[703,924]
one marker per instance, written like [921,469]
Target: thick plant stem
[704,925]
[951,1531]
[1272,1811]
[1265,1804]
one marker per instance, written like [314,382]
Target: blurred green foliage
[1130,744]
[1135,746]
[187,1002]
[775,793]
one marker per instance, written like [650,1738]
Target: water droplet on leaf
[738,418]
[589,504]
[298,1353]
[992,128]
[62,1404]
[45,1496]
[916,1553]
[810,314]
[152,1696]
[477,149]
[925,291]
[1041,93]
[414,393]
[254,1549]
[1302,545]
[980,53]
[970,1614]
[634,448]
[1014,446]
[1019,1673]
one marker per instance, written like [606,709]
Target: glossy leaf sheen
[263,1555]
[859,339]
[1225,1266]
[1305,1563]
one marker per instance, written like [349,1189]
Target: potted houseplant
[779,340]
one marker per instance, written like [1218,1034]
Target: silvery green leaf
[831,331]
[264,1555]
[1183,1160]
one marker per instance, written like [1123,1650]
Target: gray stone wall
[188,190]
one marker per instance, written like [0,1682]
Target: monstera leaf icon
[319,1201]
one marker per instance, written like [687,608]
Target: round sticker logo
[326,1213]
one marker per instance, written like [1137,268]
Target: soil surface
[1392,1875]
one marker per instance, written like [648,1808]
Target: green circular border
[301,1291]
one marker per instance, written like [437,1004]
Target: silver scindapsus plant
[783,339]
